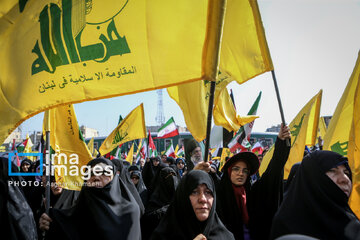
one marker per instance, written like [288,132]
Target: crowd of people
[167,198]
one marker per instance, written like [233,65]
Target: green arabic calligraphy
[119,136]
[340,148]
[61,46]
[296,129]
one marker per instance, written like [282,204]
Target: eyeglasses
[240,170]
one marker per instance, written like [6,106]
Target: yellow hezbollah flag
[337,134]
[354,154]
[342,135]
[71,152]
[322,128]
[244,55]
[74,51]
[130,128]
[301,127]
[130,155]
[91,148]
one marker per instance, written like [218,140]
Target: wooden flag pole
[280,105]
[216,22]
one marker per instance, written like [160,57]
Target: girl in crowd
[316,203]
[247,210]
[192,214]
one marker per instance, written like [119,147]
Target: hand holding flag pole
[280,105]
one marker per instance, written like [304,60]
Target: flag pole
[48,161]
[216,22]
[280,105]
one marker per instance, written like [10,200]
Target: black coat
[263,197]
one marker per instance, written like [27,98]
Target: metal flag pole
[280,105]
[217,22]
[48,162]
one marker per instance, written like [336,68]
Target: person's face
[155,163]
[135,180]
[340,176]
[25,167]
[180,165]
[55,188]
[142,162]
[99,180]
[201,199]
[239,173]
[163,158]
[196,154]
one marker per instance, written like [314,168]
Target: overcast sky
[314,45]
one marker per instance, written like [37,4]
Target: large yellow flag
[74,51]
[130,128]
[71,152]
[354,154]
[337,134]
[303,132]
[244,55]
[342,135]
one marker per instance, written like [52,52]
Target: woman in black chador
[105,209]
[316,204]
[192,214]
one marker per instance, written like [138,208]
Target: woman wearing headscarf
[16,218]
[180,167]
[124,175]
[316,204]
[136,178]
[247,210]
[192,213]
[159,201]
[105,209]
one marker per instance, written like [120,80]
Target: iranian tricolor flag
[242,137]
[152,148]
[257,148]
[181,152]
[168,130]
[170,151]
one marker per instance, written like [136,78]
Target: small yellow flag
[301,127]
[130,128]
[71,152]
[130,155]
